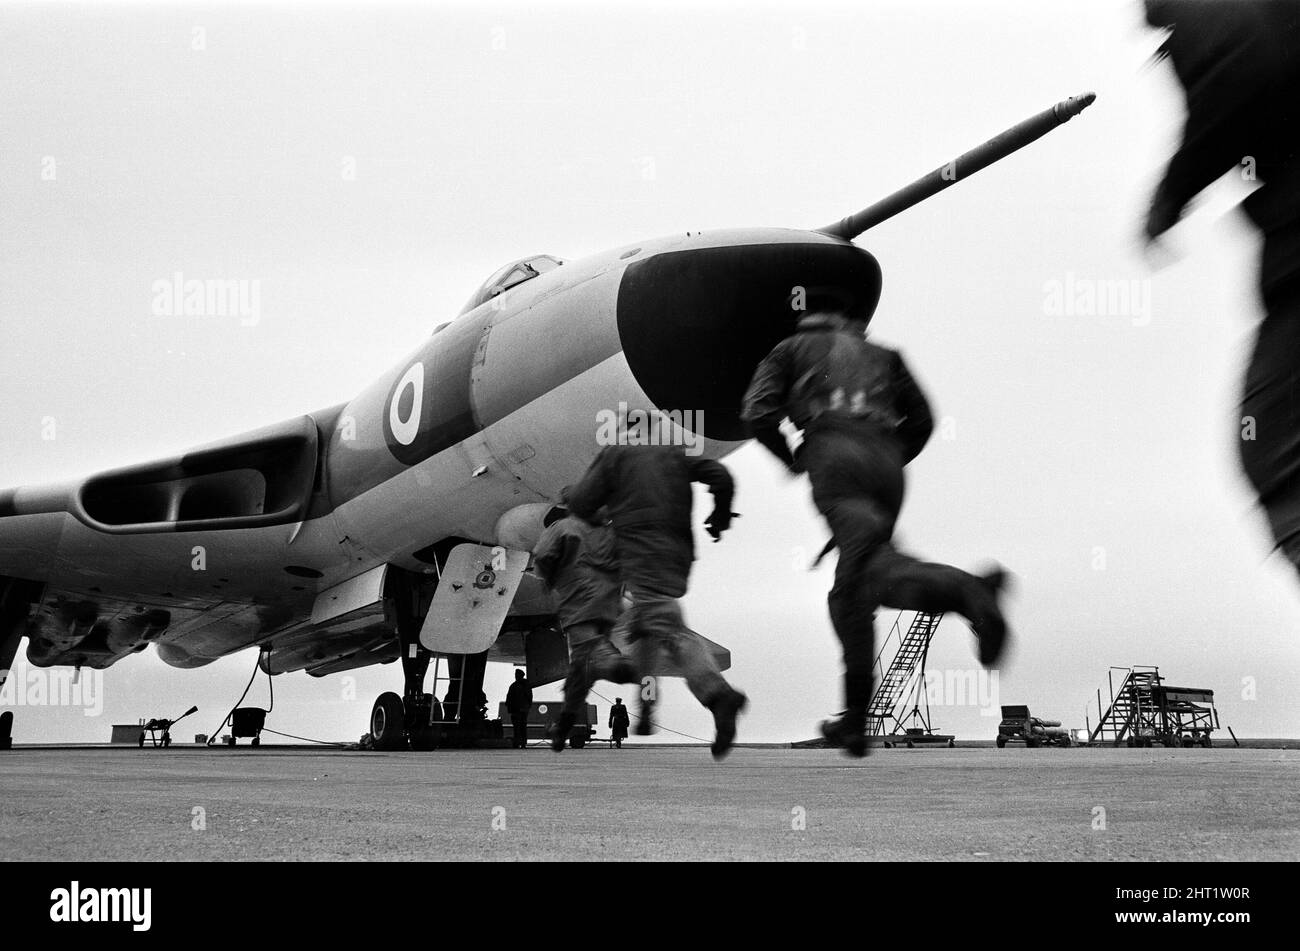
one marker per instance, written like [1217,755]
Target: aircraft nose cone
[695,323]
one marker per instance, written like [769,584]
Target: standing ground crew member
[519,701]
[618,722]
[647,489]
[1239,63]
[863,418]
[576,560]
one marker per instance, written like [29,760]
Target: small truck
[1018,726]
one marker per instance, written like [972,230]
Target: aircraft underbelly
[217,591]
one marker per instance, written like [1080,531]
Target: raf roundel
[405,429]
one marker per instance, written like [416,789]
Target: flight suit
[863,419]
[1239,63]
[576,560]
[647,491]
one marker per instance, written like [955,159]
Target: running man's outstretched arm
[722,486]
[913,408]
[764,406]
[1228,58]
[592,490]
[554,548]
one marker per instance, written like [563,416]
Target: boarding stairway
[1133,707]
[896,681]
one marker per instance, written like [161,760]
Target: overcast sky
[371,166]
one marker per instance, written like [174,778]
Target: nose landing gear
[396,723]
[417,720]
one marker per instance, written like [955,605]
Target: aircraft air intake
[695,322]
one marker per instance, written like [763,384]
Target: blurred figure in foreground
[1239,63]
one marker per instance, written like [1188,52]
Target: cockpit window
[513,274]
[544,262]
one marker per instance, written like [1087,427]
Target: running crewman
[576,560]
[647,490]
[863,419]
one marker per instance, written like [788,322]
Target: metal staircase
[896,683]
[1133,713]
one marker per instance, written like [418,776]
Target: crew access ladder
[908,662]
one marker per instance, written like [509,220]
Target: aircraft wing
[546,655]
[663,666]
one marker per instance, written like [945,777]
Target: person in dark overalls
[519,701]
[619,721]
[647,490]
[1239,63]
[863,419]
[576,560]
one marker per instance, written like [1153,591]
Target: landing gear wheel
[952,744]
[1205,740]
[386,722]
[1001,741]
[577,742]
[257,741]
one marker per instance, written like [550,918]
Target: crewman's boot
[561,729]
[848,733]
[990,626]
[726,707]
[623,672]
